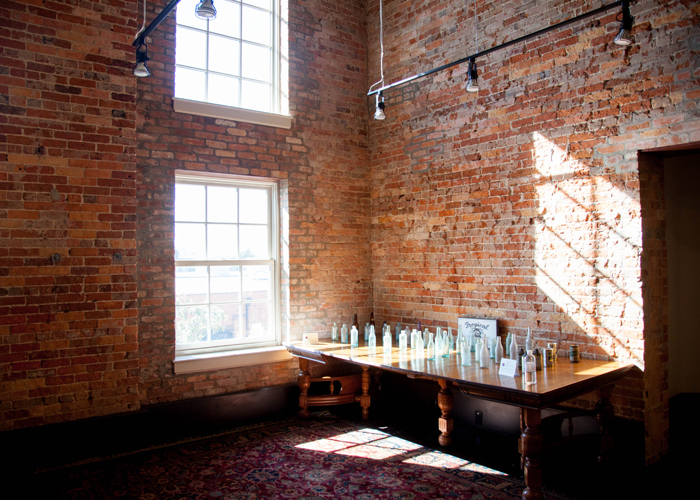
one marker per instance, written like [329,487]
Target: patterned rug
[291,459]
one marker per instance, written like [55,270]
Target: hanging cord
[381,44]
[143,26]
[476,29]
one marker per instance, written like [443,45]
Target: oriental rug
[290,459]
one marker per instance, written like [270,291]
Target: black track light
[141,69]
[624,37]
[473,82]
[379,112]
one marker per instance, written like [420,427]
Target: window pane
[253,206]
[256,62]
[223,90]
[222,204]
[191,324]
[189,203]
[255,96]
[225,321]
[265,4]
[189,241]
[224,55]
[256,26]
[253,242]
[256,317]
[191,285]
[225,284]
[256,282]
[228,19]
[191,48]
[185,14]
[222,241]
[189,84]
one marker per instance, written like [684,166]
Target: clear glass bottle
[334,333]
[492,348]
[398,331]
[420,346]
[354,337]
[387,340]
[484,355]
[445,345]
[451,338]
[508,340]
[513,354]
[344,334]
[403,341]
[466,354]
[372,338]
[414,334]
[529,344]
[529,369]
[431,348]
[366,331]
[477,349]
[438,345]
[499,351]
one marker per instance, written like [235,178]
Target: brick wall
[68,326]
[87,159]
[522,202]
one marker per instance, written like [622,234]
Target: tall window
[232,60]
[226,273]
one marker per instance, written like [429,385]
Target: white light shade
[141,70]
[205,10]
[379,114]
[473,86]
[623,38]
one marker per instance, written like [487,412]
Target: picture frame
[484,328]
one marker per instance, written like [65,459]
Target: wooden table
[554,385]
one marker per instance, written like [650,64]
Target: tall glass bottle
[499,351]
[451,338]
[366,331]
[420,346]
[458,341]
[431,347]
[484,355]
[529,369]
[403,341]
[438,345]
[354,337]
[477,349]
[513,348]
[355,323]
[371,320]
[398,331]
[414,334]
[387,340]
[466,354]
[492,348]
[344,334]
[529,344]
[334,333]
[372,338]
[445,345]
[508,338]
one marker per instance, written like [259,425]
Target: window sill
[230,359]
[229,113]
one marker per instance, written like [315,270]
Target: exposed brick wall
[325,197]
[68,327]
[523,202]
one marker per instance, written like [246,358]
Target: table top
[563,381]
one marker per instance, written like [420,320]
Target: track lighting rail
[140,40]
[622,3]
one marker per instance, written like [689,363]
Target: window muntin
[232,60]
[226,283]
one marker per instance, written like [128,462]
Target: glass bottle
[403,340]
[438,345]
[484,356]
[450,337]
[477,349]
[372,338]
[398,331]
[366,331]
[492,348]
[513,352]
[334,333]
[445,345]
[371,320]
[529,369]
[354,337]
[344,334]
[499,351]
[508,340]
[355,323]
[458,341]
[414,334]
[420,346]
[466,354]
[387,340]
[431,348]
[529,344]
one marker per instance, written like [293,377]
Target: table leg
[532,453]
[604,413]
[445,423]
[304,384]
[365,398]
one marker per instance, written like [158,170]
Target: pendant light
[379,104]
[472,74]
[624,37]
[141,69]
[379,110]
[205,10]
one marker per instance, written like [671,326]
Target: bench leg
[532,454]
[304,384]
[365,398]
[445,423]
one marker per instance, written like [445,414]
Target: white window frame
[279,116]
[222,348]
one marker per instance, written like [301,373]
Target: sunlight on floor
[378,445]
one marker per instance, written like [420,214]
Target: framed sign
[482,328]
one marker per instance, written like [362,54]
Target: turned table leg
[364,398]
[445,423]
[304,384]
[532,453]
[604,414]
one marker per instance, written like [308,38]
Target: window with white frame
[226,263]
[232,60]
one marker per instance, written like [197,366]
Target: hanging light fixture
[473,81]
[624,37]
[379,110]
[141,69]
[205,10]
